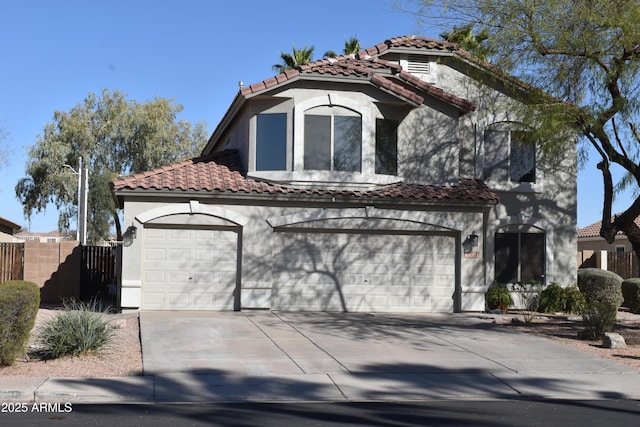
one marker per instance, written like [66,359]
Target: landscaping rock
[613,340]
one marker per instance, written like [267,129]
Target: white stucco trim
[522,219]
[430,218]
[192,208]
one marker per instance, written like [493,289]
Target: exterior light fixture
[133,231]
[473,240]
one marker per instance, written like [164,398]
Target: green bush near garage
[631,294]
[19,303]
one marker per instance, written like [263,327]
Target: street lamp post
[83,195]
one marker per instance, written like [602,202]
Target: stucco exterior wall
[257,231]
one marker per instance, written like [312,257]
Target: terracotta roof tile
[366,66]
[223,172]
[593,230]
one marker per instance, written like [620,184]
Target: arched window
[332,139]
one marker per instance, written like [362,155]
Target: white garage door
[364,272]
[189,269]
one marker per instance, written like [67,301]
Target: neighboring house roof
[223,172]
[593,230]
[9,225]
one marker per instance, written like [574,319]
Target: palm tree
[475,43]
[292,60]
[351,47]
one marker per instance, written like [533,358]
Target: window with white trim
[509,155]
[332,139]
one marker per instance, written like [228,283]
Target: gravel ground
[564,331]
[124,358]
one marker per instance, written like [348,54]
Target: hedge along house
[391,180]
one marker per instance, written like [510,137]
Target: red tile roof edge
[222,172]
[593,230]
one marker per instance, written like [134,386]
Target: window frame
[283,145]
[330,117]
[496,167]
[519,256]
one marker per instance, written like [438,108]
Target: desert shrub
[79,329]
[498,297]
[600,286]
[19,302]
[598,318]
[631,294]
[555,298]
[603,294]
[528,293]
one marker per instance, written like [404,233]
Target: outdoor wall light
[133,231]
[473,240]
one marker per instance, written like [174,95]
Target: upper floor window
[271,142]
[332,139]
[386,147]
[509,156]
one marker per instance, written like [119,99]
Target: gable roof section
[368,66]
[223,173]
[382,74]
[593,230]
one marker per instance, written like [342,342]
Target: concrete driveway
[262,355]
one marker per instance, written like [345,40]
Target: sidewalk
[321,387]
[302,357]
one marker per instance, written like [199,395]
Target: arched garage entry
[365,260]
[190,258]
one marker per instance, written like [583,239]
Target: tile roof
[383,74]
[593,230]
[223,172]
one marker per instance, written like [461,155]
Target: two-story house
[392,180]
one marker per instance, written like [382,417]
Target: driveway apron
[328,356]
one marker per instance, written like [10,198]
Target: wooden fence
[59,271]
[98,269]
[11,261]
[624,264]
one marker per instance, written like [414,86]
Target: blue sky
[195,52]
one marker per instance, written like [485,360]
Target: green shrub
[598,318]
[576,301]
[498,297]
[631,294]
[600,286]
[19,302]
[603,294]
[79,329]
[555,298]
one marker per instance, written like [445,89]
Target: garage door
[364,272]
[189,269]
